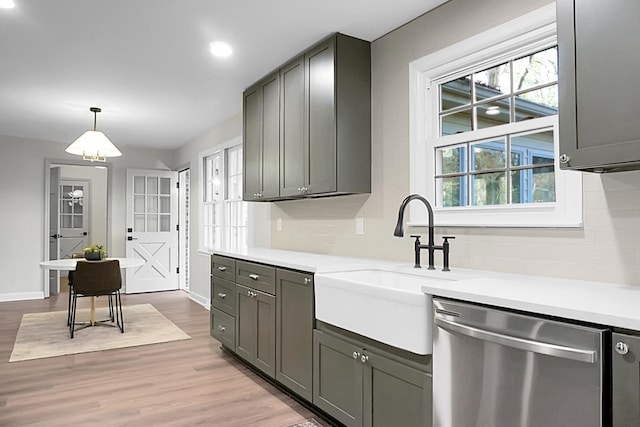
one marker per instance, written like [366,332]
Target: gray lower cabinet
[362,387]
[256,328]
[625,357]
[223,307]
[599,126]
[294,331]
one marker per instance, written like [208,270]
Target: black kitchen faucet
[431,246]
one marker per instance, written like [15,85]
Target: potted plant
[95,253]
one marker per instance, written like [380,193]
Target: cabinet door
[395,394]
[321,118]
[338,378]
[626,380]
[293,143]
[252,142]
[270,137]
[265,339]
[294,331]
[599,123]
[245,323]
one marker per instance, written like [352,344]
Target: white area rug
[46,334]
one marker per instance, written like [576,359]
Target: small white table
[69,264]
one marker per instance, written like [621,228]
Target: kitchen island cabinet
[360,386]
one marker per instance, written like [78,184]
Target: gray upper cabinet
[292,140]
[261,134]
[324,111]
[599,126]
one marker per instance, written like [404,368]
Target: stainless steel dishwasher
[495,368]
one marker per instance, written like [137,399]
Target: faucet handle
[446,238]
[417,237]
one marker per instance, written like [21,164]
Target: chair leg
[119,311]
[111,317]
[69,305]
[72,326]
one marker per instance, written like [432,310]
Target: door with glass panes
[152,230]
[73,231]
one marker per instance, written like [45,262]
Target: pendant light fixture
[93,145]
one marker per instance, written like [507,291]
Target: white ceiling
[146,63]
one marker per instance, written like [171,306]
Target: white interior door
[152,219]
[74,205]
[54,225]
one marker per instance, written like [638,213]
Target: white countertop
[603,303]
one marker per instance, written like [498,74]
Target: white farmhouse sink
[385,306]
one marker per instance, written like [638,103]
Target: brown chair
[70,283]
[98,278]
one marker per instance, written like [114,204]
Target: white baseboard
[21,296]
[203,301]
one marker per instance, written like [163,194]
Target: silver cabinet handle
[564,159]
[222,295]
[355,355]
[364,358]
[254,277]
[222,268]
[252,294]
[249,293]
[578,354]
[622,348]
[307,280]
[222,328]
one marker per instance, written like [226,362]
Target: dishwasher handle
[580,355]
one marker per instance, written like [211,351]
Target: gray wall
[22,165]
[606,249]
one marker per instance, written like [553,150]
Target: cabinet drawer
[256,276]
[223,295]
[223,328]
[223,267]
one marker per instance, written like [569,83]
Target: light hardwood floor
[182,383]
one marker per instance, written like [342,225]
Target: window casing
[484,133]
[224,214]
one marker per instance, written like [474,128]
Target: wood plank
[185,382]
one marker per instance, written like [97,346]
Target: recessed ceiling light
[220,49]
[7,4]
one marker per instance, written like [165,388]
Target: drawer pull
[254,277]
[307,280]
[222,328]
[222,268]
[222,295]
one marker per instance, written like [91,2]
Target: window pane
[487,155]
[451,160]
[533,185]
[152,204]
[165,223]
[165,185]
[138,204]
[537,103]
[165,204]
[152,223]
[77,221]
[489,189]
[456,123]
[138,184]
[532,149]
[493,82]
[493,114]
[536,69]
[452,191]
[152,185]
[138,223]
[455,93]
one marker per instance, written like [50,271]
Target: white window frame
[223,243]
[535,30]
